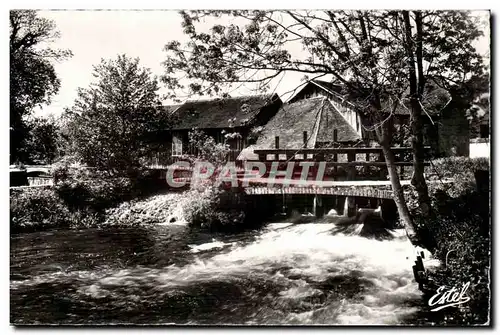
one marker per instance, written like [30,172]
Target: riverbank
[79,198]
[458,234]
[102,203]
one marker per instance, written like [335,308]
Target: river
[170,274]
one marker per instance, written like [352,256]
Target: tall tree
[439,47]
[366,52]
[33,79]
[115,122]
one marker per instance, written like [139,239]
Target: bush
[208,209]
[458,233]
[78,198]
[461,233]
[450,167]
[461,170]
[37,208]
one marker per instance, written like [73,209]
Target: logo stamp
[447,298]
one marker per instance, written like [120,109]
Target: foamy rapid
[313,276]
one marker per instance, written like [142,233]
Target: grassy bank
[79,198]
[458,233]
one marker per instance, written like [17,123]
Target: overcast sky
[92,35]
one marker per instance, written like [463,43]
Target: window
[176,145]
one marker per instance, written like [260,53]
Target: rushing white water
[283,274]
[298,259]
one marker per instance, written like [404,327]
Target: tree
[438,47]
[42,140]
[116,121]
[33,80]
[368,53]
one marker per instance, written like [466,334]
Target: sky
[92,35]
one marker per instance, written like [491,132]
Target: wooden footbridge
[352,171]
[346,173]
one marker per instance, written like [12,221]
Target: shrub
[94,189]
[37,208]
[78,198]
[462,244]
[458,233]
[461,170]
[208,209]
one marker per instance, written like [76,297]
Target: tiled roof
[316,115]
[170,108]
[222,113]
[331,119]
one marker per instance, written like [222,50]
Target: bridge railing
[347,158]
[320,154]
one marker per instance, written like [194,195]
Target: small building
[220,119]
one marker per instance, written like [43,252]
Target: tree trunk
[416,90]
[383,134]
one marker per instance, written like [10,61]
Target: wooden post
[351,170]
[350,203]
[349,207]
[401,167]
[402,155]
[383,169]
[335,157]
[318,209]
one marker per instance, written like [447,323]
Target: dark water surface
[281,274]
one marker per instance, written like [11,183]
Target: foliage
[477,90]
[79,198]
[37,207]
[33,80]
[364,51]
[461,170]
[462,242]
[42,142]
[458,233]
[207,149]
[207,210]
[116,121]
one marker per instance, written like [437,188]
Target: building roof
[328,85]
[335,90]
[170,108]
[331,119]
[222,113]
[316,115]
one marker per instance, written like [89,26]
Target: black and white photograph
[256,167]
